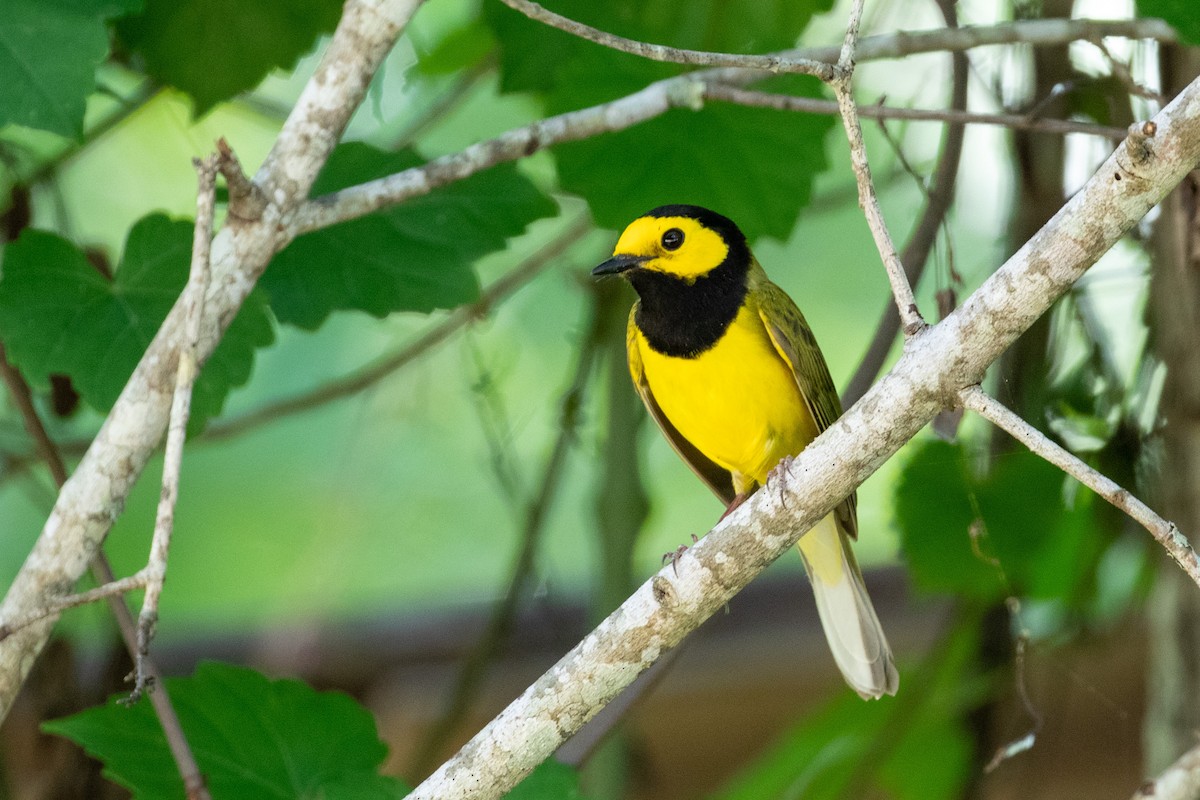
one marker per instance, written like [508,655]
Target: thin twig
[1120,71]
[181,751]
[52,606]
[775,63]
[181,406]
[811,105]
[906,303]
[939,197]
[246,199]
[661,612]
[474,669]
[92,498]
[1175,543]
[684,91]
[371,374]
[22,398]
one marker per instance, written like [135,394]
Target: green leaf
[1182,15]
[416,256]
[463,47]
[551,780]
[753,165]
[252,738]
[532,53]
[59,315]
[1008,532]
[215,49]
[49,51]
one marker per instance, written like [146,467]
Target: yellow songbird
[731,372]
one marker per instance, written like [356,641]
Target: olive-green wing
[716,477]
[795,343]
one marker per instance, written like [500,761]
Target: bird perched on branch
[732,374]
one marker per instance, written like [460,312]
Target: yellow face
[679,246]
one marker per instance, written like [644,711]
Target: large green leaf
[252,738]
[1008,532]
[532,53]
[1183,15]
[754,165]
[216,49]
[59,315]
[48,56]
[416,256]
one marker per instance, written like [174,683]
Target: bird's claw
[673,556]
[779,475]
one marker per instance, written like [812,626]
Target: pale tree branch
[181,751]
[937,364]
[774,63]
[93,496]
[938,197]
[684,91]
[187,368]
[1180,781]
[1166,533]
[812,105]
[906,303]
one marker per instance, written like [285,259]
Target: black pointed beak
[618,264]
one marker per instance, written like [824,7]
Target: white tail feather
[851,626]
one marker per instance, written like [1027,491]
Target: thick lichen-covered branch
[937,364]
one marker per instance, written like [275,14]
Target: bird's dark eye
[672,239]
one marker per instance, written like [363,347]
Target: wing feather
[796,345]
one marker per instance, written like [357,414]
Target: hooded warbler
[731,372]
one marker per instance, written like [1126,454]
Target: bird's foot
[779,476]
[737,500]
[674,555]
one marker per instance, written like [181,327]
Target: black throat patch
[682,319]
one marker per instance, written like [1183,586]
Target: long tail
[855,636]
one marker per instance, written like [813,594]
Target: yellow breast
[737,402]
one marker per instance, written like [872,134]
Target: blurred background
[428,510]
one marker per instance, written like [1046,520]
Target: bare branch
[181,751]
[936,365]
[819,61]
[94,494]
[187,368]
[684,91]
[776,63]
[1164,532]
[811,105]
[906,303]
[18,390]
[356,201]
[938,197]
